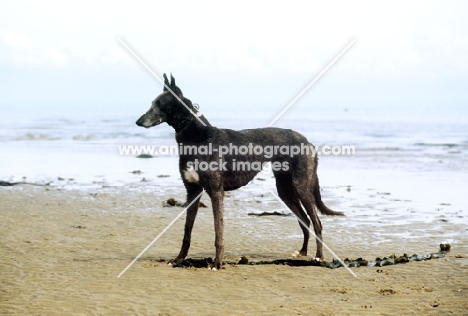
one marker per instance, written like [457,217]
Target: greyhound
[296,175]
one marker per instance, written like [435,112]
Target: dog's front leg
[193,191]
[218,212]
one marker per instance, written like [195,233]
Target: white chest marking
[191,175]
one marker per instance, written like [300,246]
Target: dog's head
[166,107]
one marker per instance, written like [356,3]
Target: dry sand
[63,249]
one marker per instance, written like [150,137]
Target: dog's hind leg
[287,193]
[308,201]
[193,191]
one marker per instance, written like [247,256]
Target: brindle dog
[297,185]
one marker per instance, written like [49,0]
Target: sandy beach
[62,250]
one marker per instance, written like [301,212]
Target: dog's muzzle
[144,122]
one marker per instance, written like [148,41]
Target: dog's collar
[183,124]
[195,113]
[196,110]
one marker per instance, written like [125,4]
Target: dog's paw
[297,254]
[318,259]
[214,267]
[174,263]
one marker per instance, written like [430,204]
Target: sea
[407,165]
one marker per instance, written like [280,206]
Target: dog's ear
[173,85]
[175,88]
[166,82]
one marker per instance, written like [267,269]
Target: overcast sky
[246,55]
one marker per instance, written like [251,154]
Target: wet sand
[62,250]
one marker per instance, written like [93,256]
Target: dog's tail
[321,206]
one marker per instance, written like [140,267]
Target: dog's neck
[184,120]
[180,120]
[180,123]
[192,131]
